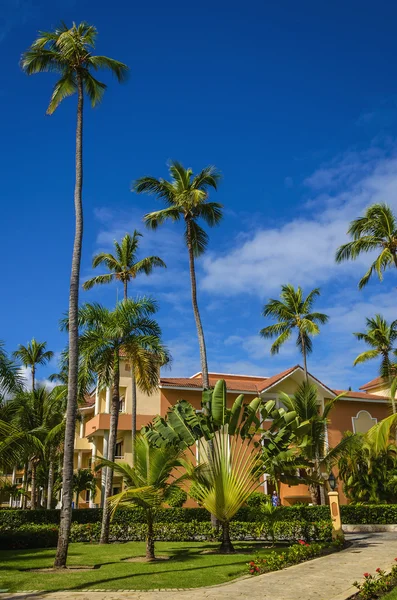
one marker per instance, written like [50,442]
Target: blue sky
[296,104]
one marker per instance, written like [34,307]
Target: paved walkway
[326,578]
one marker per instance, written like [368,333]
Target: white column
[13,480]
[107,406]
[79,459]
[265,488]
[82,427]
[93,455]
[96,400]
[104,469]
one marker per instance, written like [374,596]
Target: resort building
[354,411]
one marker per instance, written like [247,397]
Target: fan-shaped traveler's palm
[376,231]
[293,311]
[148,483]
[68,52]
[186,197]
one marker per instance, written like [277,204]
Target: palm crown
[34,353]
[123,265]
[380,336]
[68,51]
[292,311]
[186,197]
[375,231]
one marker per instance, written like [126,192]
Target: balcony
[101,422]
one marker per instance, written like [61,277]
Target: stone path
[326,578]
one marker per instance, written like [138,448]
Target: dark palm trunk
[304,356]
[313,489]
[150,537]
[76,505]
[67,471]
[33,377]
[33,497]
[114,419]
[226,546]
[133,413]
[197,318]
[25,484]
[50,483]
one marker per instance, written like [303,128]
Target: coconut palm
[68,52]
[293,311]
[148,483]
[83,479]
[376,231]
[313,444]
[186,197]
[129,329]
[124,266]
[33,354]
[10,377]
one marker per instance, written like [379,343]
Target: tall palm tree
[148,483]
[68,51]
[376,231]
[33,354]
[124,267]
[292,311]
[186,197]
[130,329]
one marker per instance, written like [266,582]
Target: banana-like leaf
[218,403]
[251,418]
[235,413]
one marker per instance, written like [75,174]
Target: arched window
[363,421]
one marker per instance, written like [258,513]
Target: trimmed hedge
[29,536]
[352,514]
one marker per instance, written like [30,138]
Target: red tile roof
[372,383]
[360,395]
[89,400]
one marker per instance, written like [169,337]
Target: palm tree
[229,471]
[34,353]
[130,329]
[313,445]
[186,198]
[124,267]
[10,377]
[148,483]
[68,51]
[375,231]
[292,311]
[83,480]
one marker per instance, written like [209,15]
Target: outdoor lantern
[332,481]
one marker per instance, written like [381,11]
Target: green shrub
[176,498]
[257,499]
[28,536]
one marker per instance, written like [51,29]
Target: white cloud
[302,251]
[27,377]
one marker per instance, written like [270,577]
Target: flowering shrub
[297,553]
[374,586]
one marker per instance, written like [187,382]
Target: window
[87,495]
[363,421]
[122,404]
[127,367]
[119,450]
[19,480]
[116,490]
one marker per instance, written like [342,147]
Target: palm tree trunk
[226,545]
[25,485]
[77,499]
[150,537]
[67,471]
[50,483]
[114,419]
[125,290]
[304,357]
[33,377]
[33,486]
[313,489]
[199,326]
[133,414]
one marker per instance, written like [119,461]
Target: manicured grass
[391,596]
[188,567]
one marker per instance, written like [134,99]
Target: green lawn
[188,567]
[391,596]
